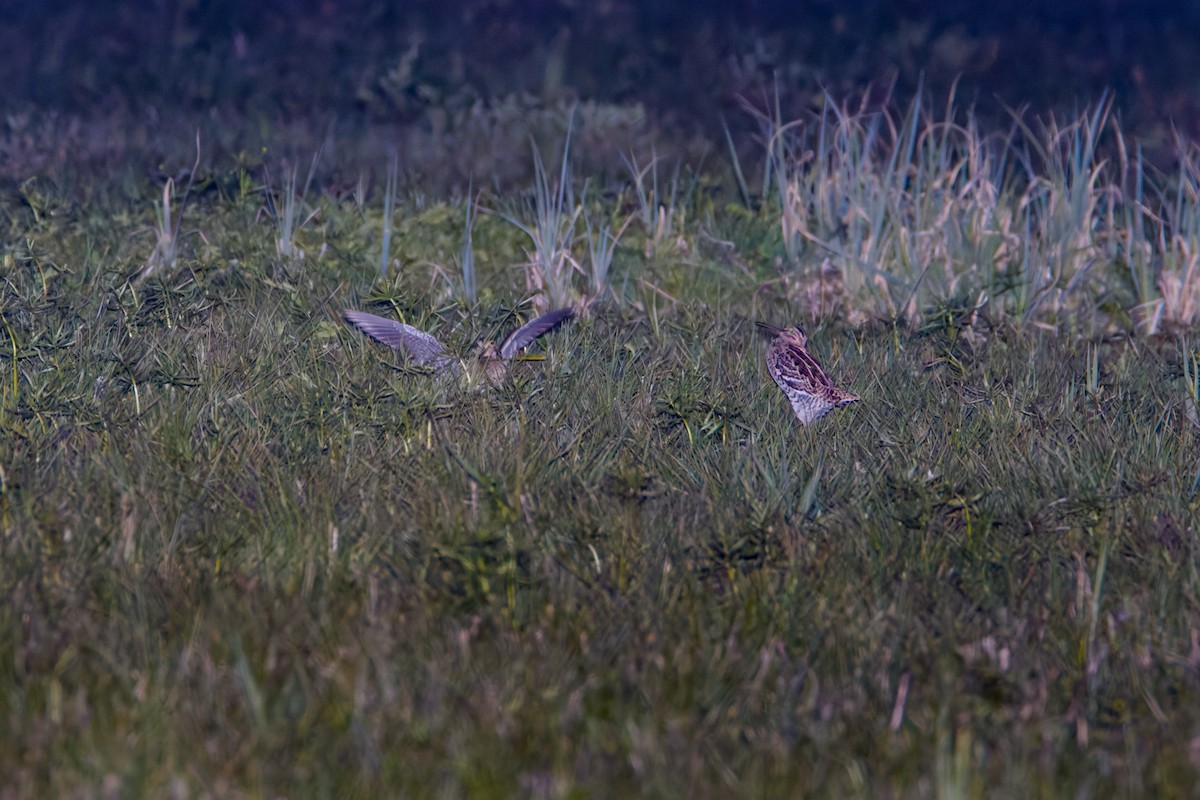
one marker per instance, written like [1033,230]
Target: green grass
[247,552]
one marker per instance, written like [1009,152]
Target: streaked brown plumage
[807,387]
[424,349]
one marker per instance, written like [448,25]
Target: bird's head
[796,335]
[487,352]
[793,334]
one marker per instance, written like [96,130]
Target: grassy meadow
[247,552]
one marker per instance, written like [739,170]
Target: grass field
[248,552]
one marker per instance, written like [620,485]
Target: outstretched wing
[419,345]
[523,336]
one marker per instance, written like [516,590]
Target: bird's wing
[808,367]
[523,336]
[419,345]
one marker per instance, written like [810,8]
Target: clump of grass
[290,213]
[905,207]
[389,212]
[783,161]
[1179,283]
[166,250]
[915,210]
[1179,245]
[1130,245]
[551,265]
[1065,192]
[467,253]
[601,246]
[165,254]
[656,207]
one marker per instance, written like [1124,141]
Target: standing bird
[809,390]
[424,349]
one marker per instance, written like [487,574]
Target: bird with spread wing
[490,362]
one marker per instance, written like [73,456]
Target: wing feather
[417,344]
[804,363]
[525,335]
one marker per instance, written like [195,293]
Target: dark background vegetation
[688,62]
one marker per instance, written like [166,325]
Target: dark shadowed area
[362,64]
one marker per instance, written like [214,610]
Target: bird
[424,349]
[807,387]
